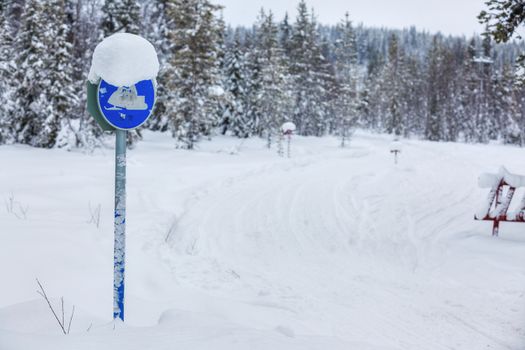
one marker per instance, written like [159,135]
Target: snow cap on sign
[288,126]
[124,59]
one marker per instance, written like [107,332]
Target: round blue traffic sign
[126,107]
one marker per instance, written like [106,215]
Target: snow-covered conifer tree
[120,16]
[13,10]
[478,75]
[413,95]
[158,26]
[159,29]
[393,83]
[32,110]
[82,19]
[486,123]
[253,109]
[60,88]
[346,73]
[306,67]
[234,117]
[433,126]
[45,92]
[7,68]
[195,78]
[273,99]
[371,96]
[469,91]
[506,108]
[285,34]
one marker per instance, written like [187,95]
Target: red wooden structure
[502,188]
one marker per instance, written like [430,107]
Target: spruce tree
[274,102]
[308,70]
[7,68]
[394,79]
[412,93]
[120,16]
[253,108]
[60,88]
[194,79]
[157,28]
[329,88]
[84,35]
[487,73]
[450,87]
[503,19]
[13,11]
[507,110]
[159,31]
[433,126]
[33,109]
[479,75]
[10,22]
[45,92]
[371,108]
[234,118]
[470,92]
[347,77]
[285,34]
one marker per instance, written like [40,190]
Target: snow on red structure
[502,188]
[288,128]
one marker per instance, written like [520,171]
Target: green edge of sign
[93,108]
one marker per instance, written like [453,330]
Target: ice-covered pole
[395,148]
[289,137]
[288,128]
[119,256]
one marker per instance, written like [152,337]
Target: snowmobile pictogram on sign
[127,98]
[126,107]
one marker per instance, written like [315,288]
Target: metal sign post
[119,256]
[395,149]
[120,108]
[287,129]
[289,139]
[124,108]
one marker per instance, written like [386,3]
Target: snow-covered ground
[232,247]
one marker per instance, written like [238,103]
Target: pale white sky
[448,16]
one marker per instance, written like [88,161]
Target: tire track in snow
[294,232]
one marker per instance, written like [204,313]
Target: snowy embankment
[331,249]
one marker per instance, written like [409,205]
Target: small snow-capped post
[121,96]
[287,129]
[395,148]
